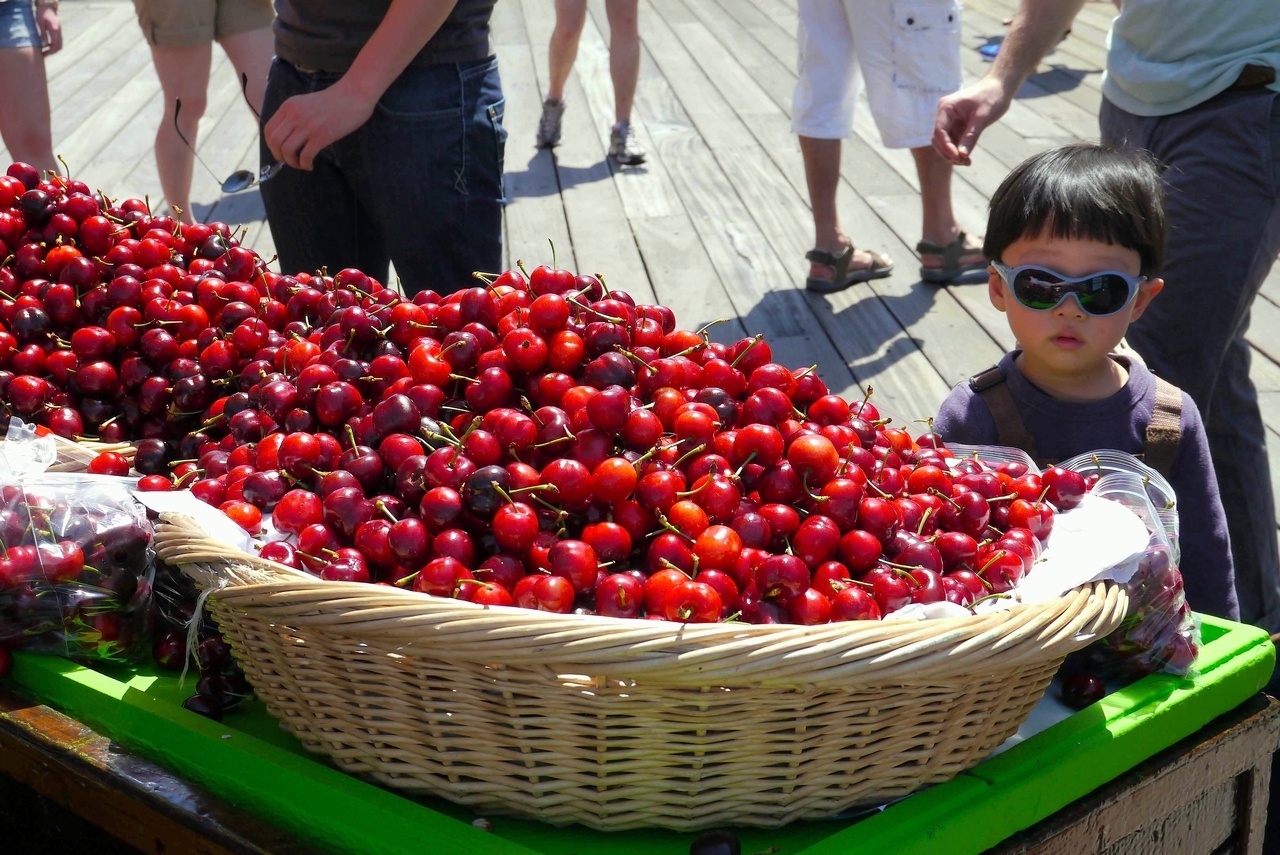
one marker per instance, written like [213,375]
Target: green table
[251,763]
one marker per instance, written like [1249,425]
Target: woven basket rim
[706,654]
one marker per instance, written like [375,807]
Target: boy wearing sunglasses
[1075,236]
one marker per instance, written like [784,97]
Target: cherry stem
[737,473]
[883,493]
[924,518]
[903,569]
[560,511]
[755,339]
[697,449]
[599,314]
[867,397]
[669,526]
[703,332]
[973,605]
[633,357]
[381,507]
[995,556]
[696,490]
[935,491]
[804,484]
[667,565]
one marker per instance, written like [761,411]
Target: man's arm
[1037,26]
[305,124]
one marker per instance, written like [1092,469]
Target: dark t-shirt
[327,34]
[1064,429]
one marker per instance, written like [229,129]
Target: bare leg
[251,54]
[822,174]
[24,108]
[571,16]
[184,75]
[624,54]
[939,220]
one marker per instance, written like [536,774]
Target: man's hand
[305,124]
[964,115]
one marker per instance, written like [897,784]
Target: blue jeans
[18,25]
[1222,176]
[419,184]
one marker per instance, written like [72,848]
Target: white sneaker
[549,124]
[623,146]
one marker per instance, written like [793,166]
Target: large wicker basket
[619,724]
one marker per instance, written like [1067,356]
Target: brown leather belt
[1254,76]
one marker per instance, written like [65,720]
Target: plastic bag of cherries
[76,562]
[1160,635]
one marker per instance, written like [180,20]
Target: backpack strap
[1164,431]
[1011,431]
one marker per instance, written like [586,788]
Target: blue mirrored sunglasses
[1043,289]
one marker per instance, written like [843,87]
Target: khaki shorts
[905,53]
[186,23]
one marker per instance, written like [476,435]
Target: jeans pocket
[418,128]
[1273,137]
[926,45]
[495,112]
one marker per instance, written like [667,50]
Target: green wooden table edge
[974,811]
[1046,773]
[223,760]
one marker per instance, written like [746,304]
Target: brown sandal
[950,257]
[843,277]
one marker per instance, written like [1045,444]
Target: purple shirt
[1064,429]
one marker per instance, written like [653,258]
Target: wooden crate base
[1207,794]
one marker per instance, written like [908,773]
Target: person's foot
[549,124]
[942,263]
[862,260]
[623,145]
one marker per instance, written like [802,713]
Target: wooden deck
[716,223]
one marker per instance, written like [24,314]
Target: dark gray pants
[1222,174]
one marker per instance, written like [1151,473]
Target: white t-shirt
[1166,56]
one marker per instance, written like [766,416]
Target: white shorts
[906,51]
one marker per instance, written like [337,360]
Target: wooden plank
[119,166]
[84,100]
[47,755]
[714,117]
[598,226]
[1205,794]
[682,273]
[534,213]
[1264,329]
[111,141]
[1271,285]
[1265,374]
[507,26]
[684,277]
[760,291]
[785,216]
[83,26]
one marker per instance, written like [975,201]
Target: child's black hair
[1082,190]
